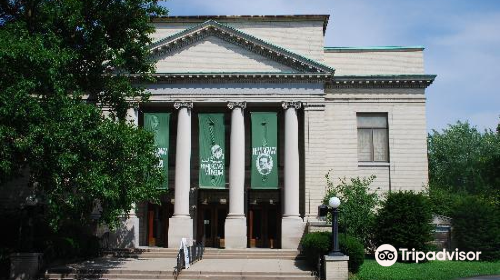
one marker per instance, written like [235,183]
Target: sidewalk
[129,264]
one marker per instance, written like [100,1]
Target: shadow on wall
[127,235]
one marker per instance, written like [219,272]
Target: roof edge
[374,48]
[201,18]
[387,77]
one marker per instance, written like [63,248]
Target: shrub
[354,249]
[357,208]
[316,244]
[404,221]
[476,227]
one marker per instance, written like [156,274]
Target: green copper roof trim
[247,36]
[376,48]
[386,77]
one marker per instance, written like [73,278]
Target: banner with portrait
[159,124]
[212,151]
[264,150]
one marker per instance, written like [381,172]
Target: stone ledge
[329,258]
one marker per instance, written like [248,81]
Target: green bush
[314,245]
[317,244]
[404,221]
[357,208]
[476,227]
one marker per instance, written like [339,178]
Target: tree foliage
[464,160]
[58,59]
[476,227]
[357,210]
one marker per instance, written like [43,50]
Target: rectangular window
[373,137]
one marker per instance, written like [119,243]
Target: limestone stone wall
[407,168]
[376,62]
[407,135]
[314,163]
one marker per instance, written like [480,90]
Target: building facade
[251,112]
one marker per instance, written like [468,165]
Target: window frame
[372,129]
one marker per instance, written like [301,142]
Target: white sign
[186,253]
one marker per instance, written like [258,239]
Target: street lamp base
[336,254]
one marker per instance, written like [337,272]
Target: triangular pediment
[213,54]
[217,48]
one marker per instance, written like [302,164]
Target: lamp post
[334,203]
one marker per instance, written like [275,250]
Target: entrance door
[263,227]
[158,216]
[211,219]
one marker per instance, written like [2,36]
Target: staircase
[217,264]
[210,253]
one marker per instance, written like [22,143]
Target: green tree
[476,227]
[58,60]
[357,208]
[461,159]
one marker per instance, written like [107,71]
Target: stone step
[210,253]
[246,277]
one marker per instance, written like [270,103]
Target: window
[373,137]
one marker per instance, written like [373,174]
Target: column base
[178,228]
[292,230]
[235,231]
[336,267]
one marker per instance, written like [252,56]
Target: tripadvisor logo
[387,255]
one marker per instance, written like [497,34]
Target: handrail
[195,254]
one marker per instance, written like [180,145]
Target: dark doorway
[263,226]
[211,220]
[158,216]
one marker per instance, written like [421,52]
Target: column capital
[231,105]
[291,104]
[180,104]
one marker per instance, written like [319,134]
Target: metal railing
[195,254]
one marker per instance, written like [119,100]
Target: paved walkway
[274,266]
[139,264]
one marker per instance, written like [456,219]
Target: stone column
[181,224]
[292,225]
[236,224]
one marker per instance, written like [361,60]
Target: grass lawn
[434,270]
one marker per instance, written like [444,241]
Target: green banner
[159,124]
[212,151]
[264,150]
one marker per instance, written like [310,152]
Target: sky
[461,40]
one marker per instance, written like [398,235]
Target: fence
[195,254]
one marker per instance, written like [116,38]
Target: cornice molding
[381,81]
[237,77]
